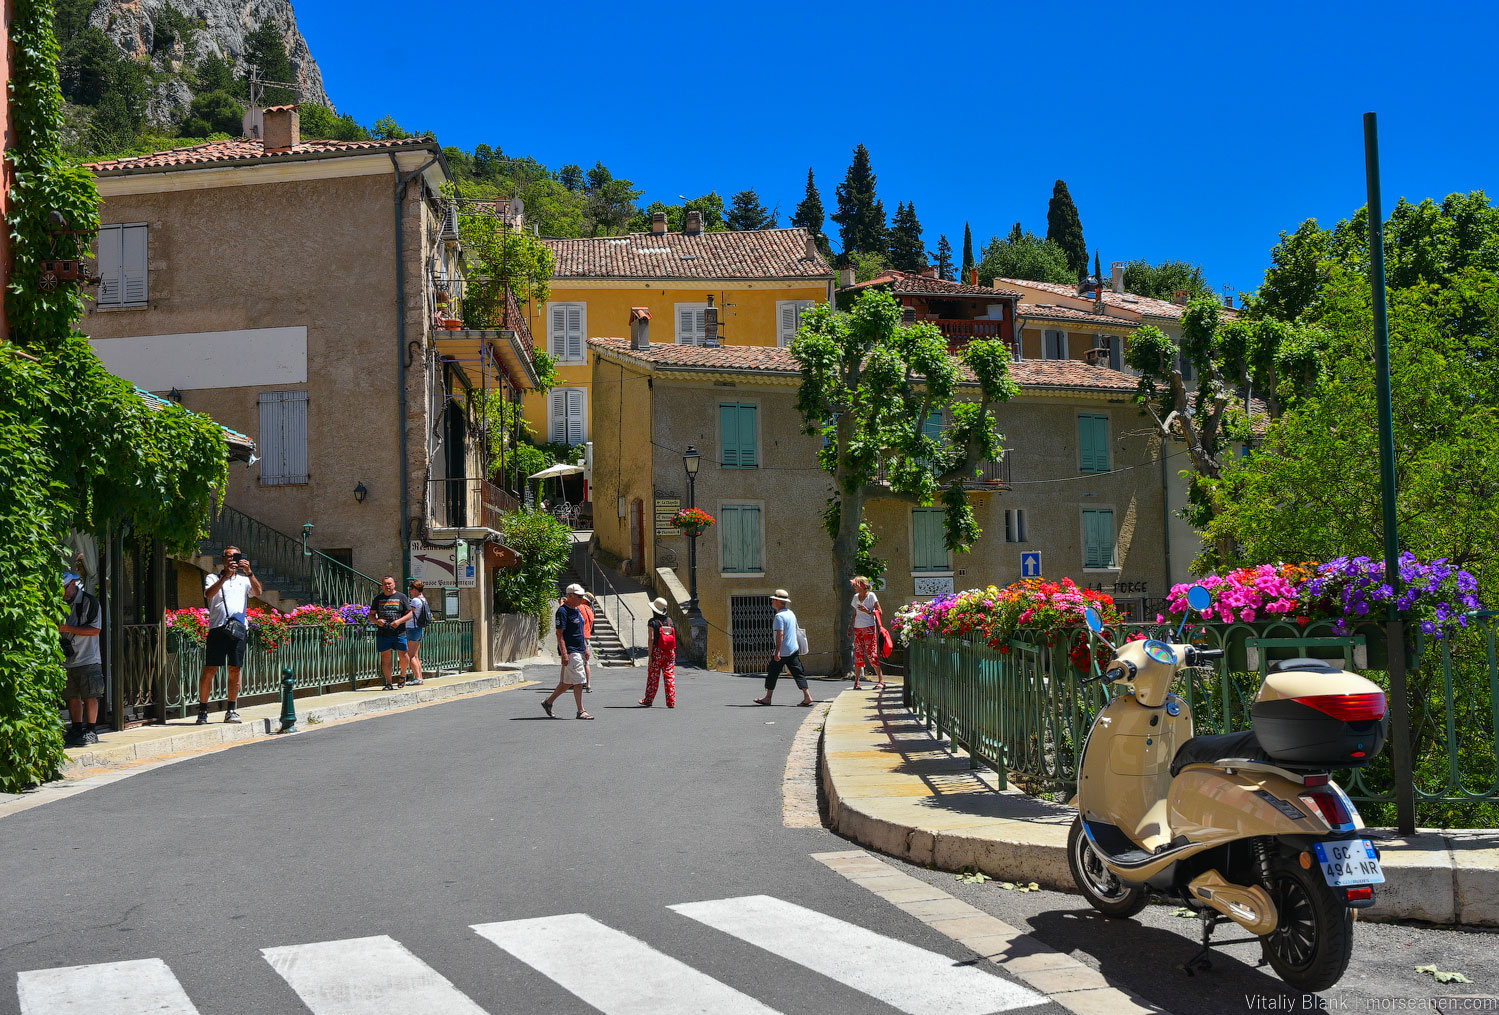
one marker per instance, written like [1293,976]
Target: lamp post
[690,460]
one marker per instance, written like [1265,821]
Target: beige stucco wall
[318,253]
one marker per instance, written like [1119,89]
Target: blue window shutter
[1098,536]
[728,419]
[728,539]
[749,538]
[748,458]
[1093,443]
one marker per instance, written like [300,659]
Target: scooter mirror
[1199,598]
[1094,622]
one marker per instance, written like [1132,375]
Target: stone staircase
[608,650]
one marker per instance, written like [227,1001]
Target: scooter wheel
[1099,885]
[1313,941]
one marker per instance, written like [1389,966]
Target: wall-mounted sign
[933,586]
[443,566]
[666,510]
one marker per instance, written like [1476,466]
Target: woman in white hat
[865,631]
[662,641]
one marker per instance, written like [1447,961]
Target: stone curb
[1437,876]
[258,725]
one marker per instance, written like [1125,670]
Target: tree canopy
[1065,228]
[966,271]
[1025,256]
[861,214]
[942,258]
[809,214]
[907,252]
[1161,281]
[869,387]
[747,212]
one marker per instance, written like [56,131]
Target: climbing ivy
[81,449]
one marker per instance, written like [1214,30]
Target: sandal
[805,704]
[388,687]
[761,701]
[643,703]
[546,706]
[584,715]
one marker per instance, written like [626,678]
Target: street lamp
[306,531]
[690,460]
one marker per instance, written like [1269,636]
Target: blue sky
[1195,131]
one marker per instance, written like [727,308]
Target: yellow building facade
[759,282]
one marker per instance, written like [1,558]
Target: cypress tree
[907,252]
[809,215]
[860,215]
[968,263]
[1065,228]
[943,257]
[1098,271]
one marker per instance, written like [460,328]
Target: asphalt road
[423,825]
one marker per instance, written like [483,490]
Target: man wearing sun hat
[787,650]
[572,646]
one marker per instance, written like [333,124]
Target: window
[789,319]
[929,540]
[1098,538]
[1093,444]
[122,265]
[692,323]
[1115,345]
[566,323]
[1015,531]
[567,416]
[283,438]
[739,539]
[1053,344]
[931,428]
[737,437]
[1185,366]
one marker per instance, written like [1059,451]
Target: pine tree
[968,263]
[809,215]
[943,258]
[746,212]
[907,252]
[860,215]
[265,49]
[1065,229]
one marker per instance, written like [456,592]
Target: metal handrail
[593,576]
[280,561]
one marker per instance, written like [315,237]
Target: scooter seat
[1208,749]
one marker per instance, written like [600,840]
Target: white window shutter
[557,330]
[692,323]
[111,284]
[133,265]
[272,461]
[786,312]
[283,438]
[576,431]
[557,416]
[575,332]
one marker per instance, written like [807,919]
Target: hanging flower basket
[693,521]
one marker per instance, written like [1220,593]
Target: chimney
[283,128]
[710,325]
[640,328]
[694,223]
[658,223]
[929,271]
[973,276]
[1117,270]
[1228,300]
[1179,297]
[845,277]
[811,253]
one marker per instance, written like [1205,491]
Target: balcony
[994,475]
[958,332]
[468,501]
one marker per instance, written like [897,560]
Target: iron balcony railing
[282,564]
[467,501]
[1021,710]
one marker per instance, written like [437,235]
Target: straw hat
[576,590]
[782,595]
[658,606]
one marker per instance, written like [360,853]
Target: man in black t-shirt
[389,612]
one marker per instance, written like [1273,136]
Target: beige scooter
[1247,827]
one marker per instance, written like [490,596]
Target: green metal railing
[343,664]
[280,562]
[1021,709]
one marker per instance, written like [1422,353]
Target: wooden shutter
[565,331]
[692,321]
[749,537]
[566,420]
[557,416]
[1093,443]
[575,344]
[111,282]
[748,456]
[1098,539]
[728,425]
[133,265]
[283,438]
[728,539]
[786,313]
[929,547]
[577,429]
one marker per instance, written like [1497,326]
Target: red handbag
[887,644]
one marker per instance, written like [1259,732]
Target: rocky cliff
[223,28]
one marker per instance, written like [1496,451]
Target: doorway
[750,620]
[637,535]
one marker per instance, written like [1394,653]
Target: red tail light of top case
[1348,707]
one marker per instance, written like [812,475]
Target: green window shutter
[1098,539]
[728,539]
[1093,443]
[749,538]
[928,543]
[748,458]
[728,424]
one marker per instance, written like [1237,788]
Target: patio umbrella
[560,469]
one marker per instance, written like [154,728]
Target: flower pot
[452,323]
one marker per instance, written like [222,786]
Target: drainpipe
[401,181]
[1166,504]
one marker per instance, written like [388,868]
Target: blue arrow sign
[1030,564]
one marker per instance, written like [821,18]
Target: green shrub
[543,544]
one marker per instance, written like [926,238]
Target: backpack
[666,638]
[425,616]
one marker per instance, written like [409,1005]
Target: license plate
[1351,862]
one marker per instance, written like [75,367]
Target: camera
[235,558]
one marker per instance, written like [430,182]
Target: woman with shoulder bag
[421,616]
[865,630]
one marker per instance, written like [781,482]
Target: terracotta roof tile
[1149,306]
[1035,374]
[238,442]
[904,283]
[1055,312]
[752,254]
[242,150]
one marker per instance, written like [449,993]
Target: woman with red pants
[865,630]
[662,640]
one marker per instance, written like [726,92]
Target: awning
[560,469]
[241,447]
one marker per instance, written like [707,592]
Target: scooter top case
[1310,713]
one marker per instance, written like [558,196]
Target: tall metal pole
[692,546]
[1400,720]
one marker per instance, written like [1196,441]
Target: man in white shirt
[787,651]
[227,594]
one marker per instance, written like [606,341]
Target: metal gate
[749,623]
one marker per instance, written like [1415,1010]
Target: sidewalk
[892,787]
[176,736]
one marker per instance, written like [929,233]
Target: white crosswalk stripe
[108,988]
[915,980]
[614,972]
[367,974]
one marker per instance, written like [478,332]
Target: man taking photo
[228,596]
